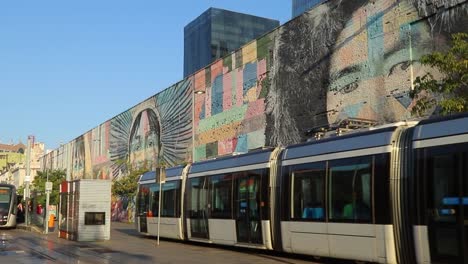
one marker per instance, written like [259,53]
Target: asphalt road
[126,246]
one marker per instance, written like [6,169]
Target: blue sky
[68,66]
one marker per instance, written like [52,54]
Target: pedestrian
[39,209]
[20,207]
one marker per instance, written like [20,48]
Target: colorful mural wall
[342,59]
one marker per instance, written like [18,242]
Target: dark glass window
[169,199]
[5,197]
[143,200]
[153,203]
[221,196]
[308,193]
[95,218]
[350,194]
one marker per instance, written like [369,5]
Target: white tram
[8,209]
[391,194]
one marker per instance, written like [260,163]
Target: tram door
[142,207]
[198,206]
[248,221]
[447,201]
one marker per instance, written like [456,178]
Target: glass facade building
[216,33]
[300,6]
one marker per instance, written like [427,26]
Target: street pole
[46,227]
[193,126]
[27,179]
[159,207]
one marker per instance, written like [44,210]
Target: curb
[30,228]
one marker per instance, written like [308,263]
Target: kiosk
[85,210]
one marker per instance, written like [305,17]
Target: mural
[156,131]
[230,115]
[340,60]
[352,59]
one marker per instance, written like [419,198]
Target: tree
[20,191]
[127,185]
[450,92]
[38,185]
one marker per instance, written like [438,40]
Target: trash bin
[51,223]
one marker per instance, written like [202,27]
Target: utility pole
[28,178]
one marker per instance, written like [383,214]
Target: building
[11,154]
[300,6]
[218,32]
[13,162]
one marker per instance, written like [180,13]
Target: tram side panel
[336,198]
[228,203]
[440,230]
[148,198]
[229,209]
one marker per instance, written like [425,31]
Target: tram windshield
[5,197]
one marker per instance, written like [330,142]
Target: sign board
[48,186]
[27,178]
[26,193]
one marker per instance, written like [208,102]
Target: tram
[396,193]
[8,207]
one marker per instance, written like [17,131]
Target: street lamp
[193,121]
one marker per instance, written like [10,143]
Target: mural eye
[402,65]
[150,143]
[349,88]
[136,146]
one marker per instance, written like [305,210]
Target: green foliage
[450,92]
[127,185]
[38,185]
[20,191]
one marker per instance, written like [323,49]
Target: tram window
[221,196]
[197,193]
[4,199]
[350,190]
[153,205]
[445,187]
[308,194]
[143,199]
[169,199]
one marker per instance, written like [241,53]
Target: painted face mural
[79,158]
[352,59]
[144,145]
[372,69]
[157,130]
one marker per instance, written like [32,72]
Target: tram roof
[170,172]
[441,127]
[375,137]
[256,157]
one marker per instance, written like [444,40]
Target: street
[125,246]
